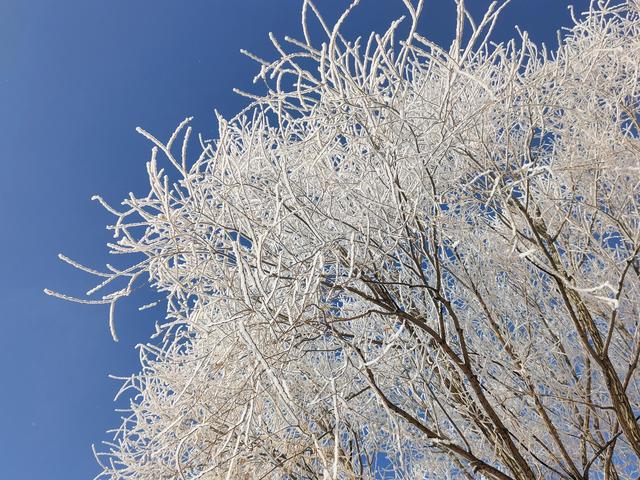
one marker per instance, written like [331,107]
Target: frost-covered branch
[403,260]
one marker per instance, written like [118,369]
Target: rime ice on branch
[403,260]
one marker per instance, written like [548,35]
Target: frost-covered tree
[402,261]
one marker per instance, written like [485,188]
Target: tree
[402,261]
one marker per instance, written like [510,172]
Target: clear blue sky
[76,78]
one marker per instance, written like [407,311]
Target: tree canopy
[402,261]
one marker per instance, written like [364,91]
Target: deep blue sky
[76,78]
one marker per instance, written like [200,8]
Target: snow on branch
[404,260]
